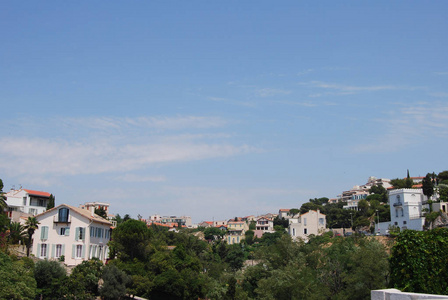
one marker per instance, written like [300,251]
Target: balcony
[396,204]
[62,220]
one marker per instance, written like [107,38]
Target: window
[58,251]
[44,233]
[41,202]
[396,223]
[404,222]
[293,232]
[304,221]
[64,231]
[43,250]
[80,233]
[24,201]
[32,211]
[78,251]
[100,252]
[321,221]
[63,214]
[305,231]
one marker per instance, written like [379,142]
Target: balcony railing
[398,204]
[62,220]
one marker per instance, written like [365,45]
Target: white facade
[75,233]
[27,201]
[406,208]
[312,222]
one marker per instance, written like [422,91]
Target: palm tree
[16,233]
[31,225]
[3,204]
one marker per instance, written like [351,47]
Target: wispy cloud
[102,151]
[163,123]
[411,125]
[233,102]
[352,89]
[268,92]
[139,178]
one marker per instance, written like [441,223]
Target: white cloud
[268,92]
[115,145]
[411,125]
[138,178]
[351,89]
[163,123]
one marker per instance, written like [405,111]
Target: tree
[101,212]
[419,261]
[129,240]
[31,225]
[83,281]
[213,233]
[51,202]
[50,278]
[3,204]
[428,186]
[17,278]
[443,177]
[16,233]
[114,283]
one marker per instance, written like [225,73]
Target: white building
[26,201]
[312,222]
[75,233]
[183,220]
[406,210]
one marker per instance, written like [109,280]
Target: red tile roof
[37,193]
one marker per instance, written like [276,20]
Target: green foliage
[17,278]
[101,212]
[443,177]
[428,186]
[83,281]
[16,233]
[51,202]
[130,239]
[406,183]
[419,261]
[114,283]
[294,211]
[50,278]
[3,204]
[213,233]
[281,222]
[31,225]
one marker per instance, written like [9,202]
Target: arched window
[63,214]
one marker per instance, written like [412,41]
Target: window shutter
[73,251]
[38,250]
[44,233]
[63,250]
[77,234]
[67,231]
[52,250]
[90,252]
[83,233]
[83,251]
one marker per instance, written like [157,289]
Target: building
[236,231]
[24,201]
[312,222]
[283,213]
[263,225]
[72,232]
[359,192]
[406,210]
[184,221]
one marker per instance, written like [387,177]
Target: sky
[217,109]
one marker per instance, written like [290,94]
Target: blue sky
[217,109]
